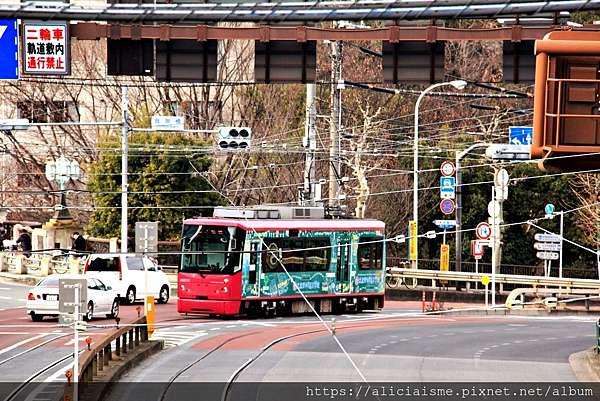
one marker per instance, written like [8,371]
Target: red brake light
[87,263]
[30,297]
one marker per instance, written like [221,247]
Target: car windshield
[49,282]
[104,264]
[210,249]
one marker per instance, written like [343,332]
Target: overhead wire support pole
[308,197]
[458,238]
[124,167]
[457,84]
[334,125]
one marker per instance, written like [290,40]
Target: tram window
[370,253]
[293,256]
[317,254]
[296,254]
[271,255]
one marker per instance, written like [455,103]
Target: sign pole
[486,296]
[560,263]
[476,270]
[493,253]
[76,345]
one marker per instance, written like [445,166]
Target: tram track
[13,395]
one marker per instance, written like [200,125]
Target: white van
[127,275]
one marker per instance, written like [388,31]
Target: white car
[130,275]
[42,300]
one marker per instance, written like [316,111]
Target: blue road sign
[447,206]
[520,135]
[445,224]
[447,190]
[9,49]
[549,209]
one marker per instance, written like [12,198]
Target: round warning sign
[447,206]
[447,168]
[483,230]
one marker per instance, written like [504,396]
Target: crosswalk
[176,338]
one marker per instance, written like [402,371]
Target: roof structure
[308,224]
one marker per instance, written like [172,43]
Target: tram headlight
[225,290]
[226,280]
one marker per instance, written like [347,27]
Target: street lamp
[62,170]
[458,84]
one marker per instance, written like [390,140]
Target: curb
[99,389]
[585,365]
[496,312]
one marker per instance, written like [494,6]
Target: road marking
[215,328]
[269,324]
[4,289]
[28,340]
[176,339]
[7,298]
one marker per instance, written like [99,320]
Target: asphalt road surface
[12,295]
[395,345]
[392,346]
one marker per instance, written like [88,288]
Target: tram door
[253,268]
[343,268]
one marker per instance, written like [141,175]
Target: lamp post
[62,170]
[458,84]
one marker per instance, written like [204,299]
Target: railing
[501,279]
[126,339]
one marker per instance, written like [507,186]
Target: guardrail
[126,339]
[533,281]
[39,265]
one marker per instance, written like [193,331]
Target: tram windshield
[211,249]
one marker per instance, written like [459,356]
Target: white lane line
[215,328]
[7,298]
[28,340]
[56,376]
[268,324]
[4,288]
[231,326]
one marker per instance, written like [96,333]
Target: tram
[262,261]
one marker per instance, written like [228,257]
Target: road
[12,295]
[392,346]
[395,345]
[42,351]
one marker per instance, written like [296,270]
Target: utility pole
[458,238]
[124,154]
[310,143]
[334,124]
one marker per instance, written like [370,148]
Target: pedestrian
[24,242]
[79,243]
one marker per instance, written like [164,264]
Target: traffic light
[234,138]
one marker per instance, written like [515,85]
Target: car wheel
[130,296]
[36,318]
[114,310]
[89,313]
[163,296]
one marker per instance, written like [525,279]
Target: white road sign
[547,255]
[501,178]
[547,246]
[447,168]
[494,209]
[483,230]
[168,123]
[547,237]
